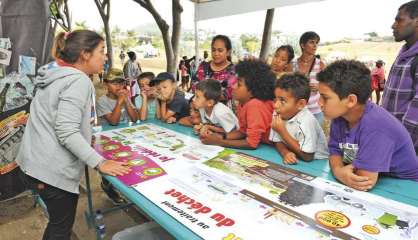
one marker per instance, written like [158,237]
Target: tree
[60,14]
[130,41]
[81,25]
[250,43]
[265,43]
[372,34]
[104,9]
[171,41]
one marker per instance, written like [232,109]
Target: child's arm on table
[348,175]
[291,144]
[234,139]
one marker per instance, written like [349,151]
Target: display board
[222,194]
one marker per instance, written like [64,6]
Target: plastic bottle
[100,226]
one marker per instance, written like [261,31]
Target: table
[404,191]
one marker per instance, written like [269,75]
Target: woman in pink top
[220,67]
[378,79]
[309,64]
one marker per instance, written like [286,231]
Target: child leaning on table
[194,117]
[365,140]
[254,92]
[215,116]
[146,102]
[294,130]
[116,106]
[172,104]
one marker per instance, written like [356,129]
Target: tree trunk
[265,43]
[169,54]
[170,43]
[108,44]
[175,35]
[104,10]
[67,15]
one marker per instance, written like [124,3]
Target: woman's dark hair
[223,38]
[258,78]
[346,77]
[227,42]
[308,36]
[69,46]
[132,56]
[289,50]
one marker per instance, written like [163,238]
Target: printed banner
[233,196]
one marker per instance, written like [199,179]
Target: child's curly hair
[258,78]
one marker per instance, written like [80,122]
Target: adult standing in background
[132,70]
[122,57]
[309,64]
[401,89]
[220,67]
[378,79]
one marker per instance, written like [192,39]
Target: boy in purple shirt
[365,140]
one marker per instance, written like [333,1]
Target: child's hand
[290,158]
[121,98]
[171,120]
[277,123]
[144,95]
[205,130]
[211,139]
[347,176]
[196,128]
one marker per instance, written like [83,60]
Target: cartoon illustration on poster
[228,194]
[142,167]
[162,141]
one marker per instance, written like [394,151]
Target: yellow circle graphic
[122,154]
[370,229]
[110,147]
[102,141]
[136,162]
[332,219]
[152,171]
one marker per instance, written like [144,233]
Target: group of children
[274,111]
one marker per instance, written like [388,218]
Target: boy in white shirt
[294,130]
[215,116]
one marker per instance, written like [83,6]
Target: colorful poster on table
[151,151]
[231,195]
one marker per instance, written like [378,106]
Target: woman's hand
[113,168]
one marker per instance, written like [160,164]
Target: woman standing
[378,79]
[309,64]
[220,67]
[56,144]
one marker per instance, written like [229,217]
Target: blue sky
[332,19]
